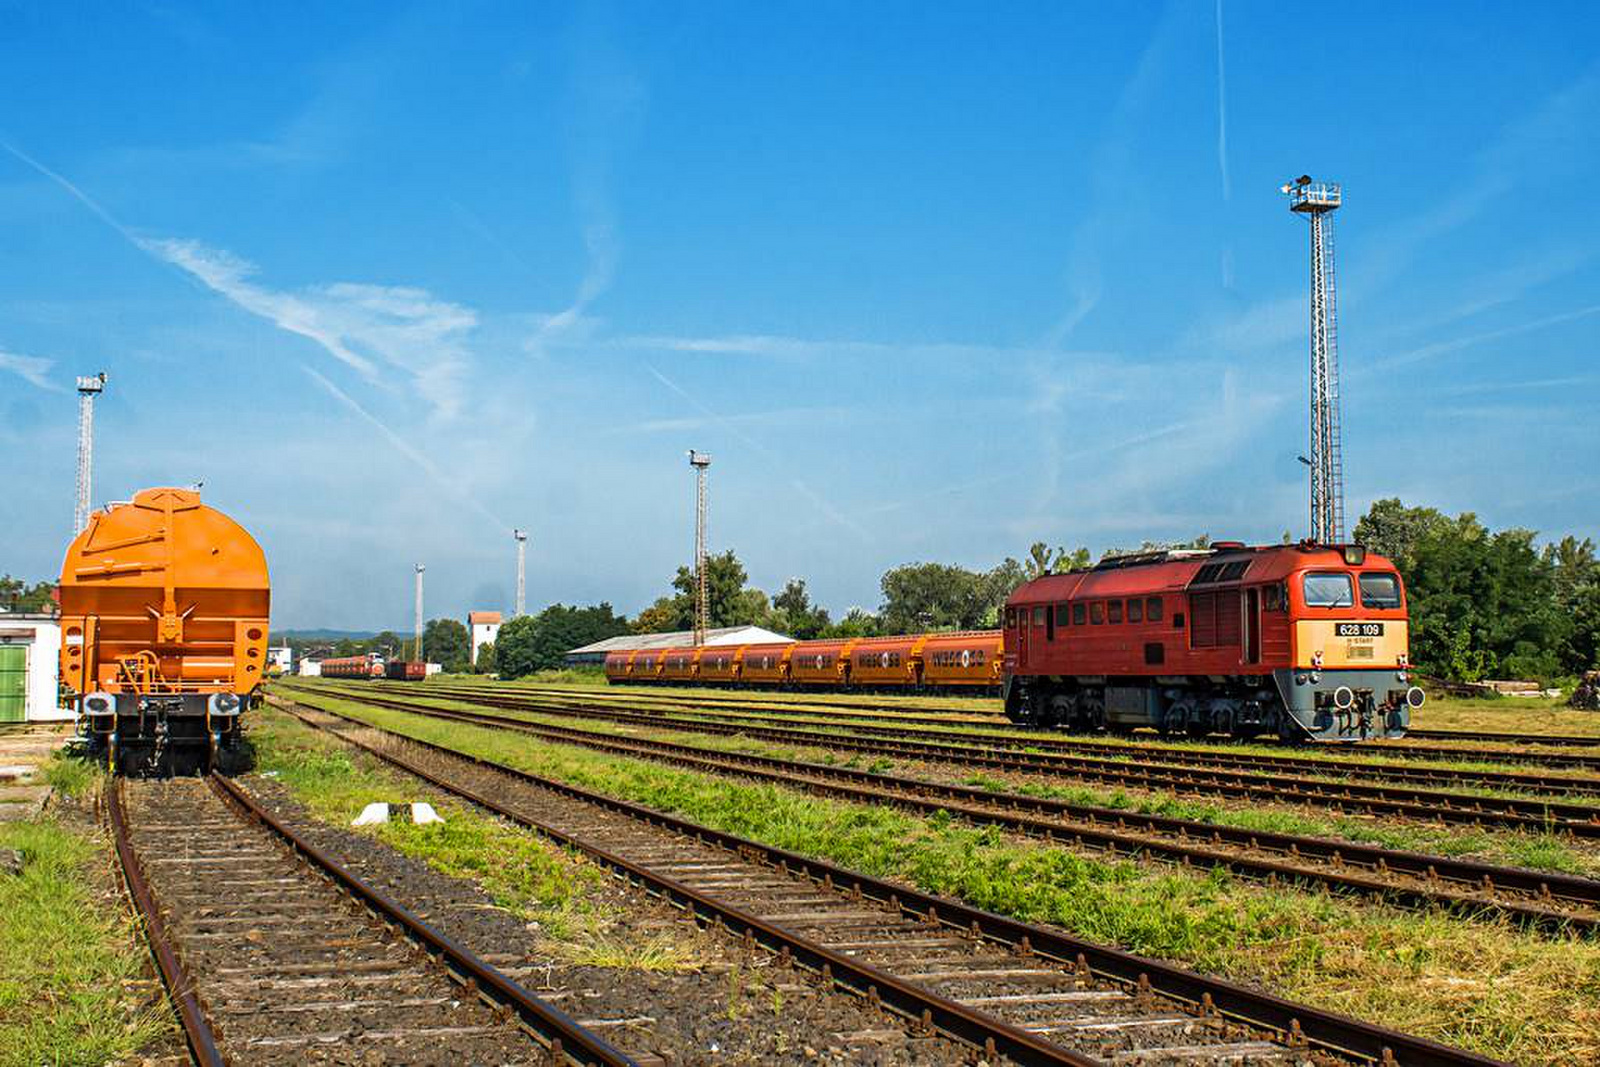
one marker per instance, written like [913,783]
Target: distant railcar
[368,666]
[405,670]
[970,661]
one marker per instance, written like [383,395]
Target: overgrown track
[954,967]
[1002,731]
[1535,816]
[277,954]
[1354,767]
[1545,901]
[1568,740]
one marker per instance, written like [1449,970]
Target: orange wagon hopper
[164,618]
[972,659]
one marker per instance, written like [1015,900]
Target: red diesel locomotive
[1305,641]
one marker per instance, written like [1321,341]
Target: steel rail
[1576,740]
[1166,754]
[565,1036]
[1462,809]
[1293,1023]
[1012,735]
[1197,843]
[197,1029]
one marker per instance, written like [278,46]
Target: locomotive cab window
[1379,590]
[1062,614]
[1114,611]
[1275,597]
[1135,610]
[1080,614]
[1038,616]
[1328,591]
[1152,608]
[1097,612]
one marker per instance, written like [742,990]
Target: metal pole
[89,387]
[418,645]
[522,545]
[700,461]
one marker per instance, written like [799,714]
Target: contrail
[1222,110]
[404,447]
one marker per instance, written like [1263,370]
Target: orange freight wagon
[720,663]
[765,664]
[164,605]
[887,661]
[968,660]
[646,665]
[678,664]
[820,662]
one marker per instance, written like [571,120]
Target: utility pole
[1317,201]
[89,387]
[522,550]
[700,461]
[418,646]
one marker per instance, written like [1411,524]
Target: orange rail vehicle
[164,605]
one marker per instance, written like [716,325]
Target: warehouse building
[595,654]
[482,628]
[30,658]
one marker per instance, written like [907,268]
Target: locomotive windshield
[1379,590]
[1328,591]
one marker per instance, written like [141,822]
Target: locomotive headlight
[1416,697]
[223,704]
[1344,697]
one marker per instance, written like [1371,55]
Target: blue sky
[930,282]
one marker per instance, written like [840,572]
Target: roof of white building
[727,635]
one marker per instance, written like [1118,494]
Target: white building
[30,665]
[311,668]
[726,635]
[281,658]
[482,628]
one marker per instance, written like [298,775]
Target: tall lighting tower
[418,646]
[89,387]
[522,557]
[700,461]
[1317,201]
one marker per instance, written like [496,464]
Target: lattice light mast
[522,570]
[1317,201]
[89,387]
[700,461]
[418,646]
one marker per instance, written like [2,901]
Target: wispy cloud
[1441,348]
[452,486]
[749,418]
[373,329]
[32,369]
[1222,109]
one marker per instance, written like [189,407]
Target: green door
[13,683]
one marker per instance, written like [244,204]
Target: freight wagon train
[164,631]
[965,662]
[373,665]
[1305,641]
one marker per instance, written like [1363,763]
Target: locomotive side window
[1038,616]
[1379,590]
[1328,591]
[1011,618]
[1177,620]
[1275,597]
[1062,614]
[1152,608]
[1079,614]
[1114,611]
[1097,612]
[1135,610]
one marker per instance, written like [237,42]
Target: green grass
[68,958]
[72,776]
[1484,985]
[1547,852]
[531,879]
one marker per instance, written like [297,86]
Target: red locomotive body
[1301,640]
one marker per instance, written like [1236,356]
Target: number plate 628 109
[1358,629]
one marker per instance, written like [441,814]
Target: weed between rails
[1400,968]
[533,880]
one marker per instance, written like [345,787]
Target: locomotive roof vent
[1159,555]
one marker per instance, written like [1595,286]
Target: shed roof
[727,635]
[476,617]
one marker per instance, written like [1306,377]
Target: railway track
[1534,816]
[274,953]
[1007,732]
[1542,900]
[1567,740]
[1029,993]
[1550,785]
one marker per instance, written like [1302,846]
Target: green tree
[728,601]
[795,615]
[486,659]
[18,596]
[532,643]
[857,622]
[1391,529]
[445,642]
[1042,560]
